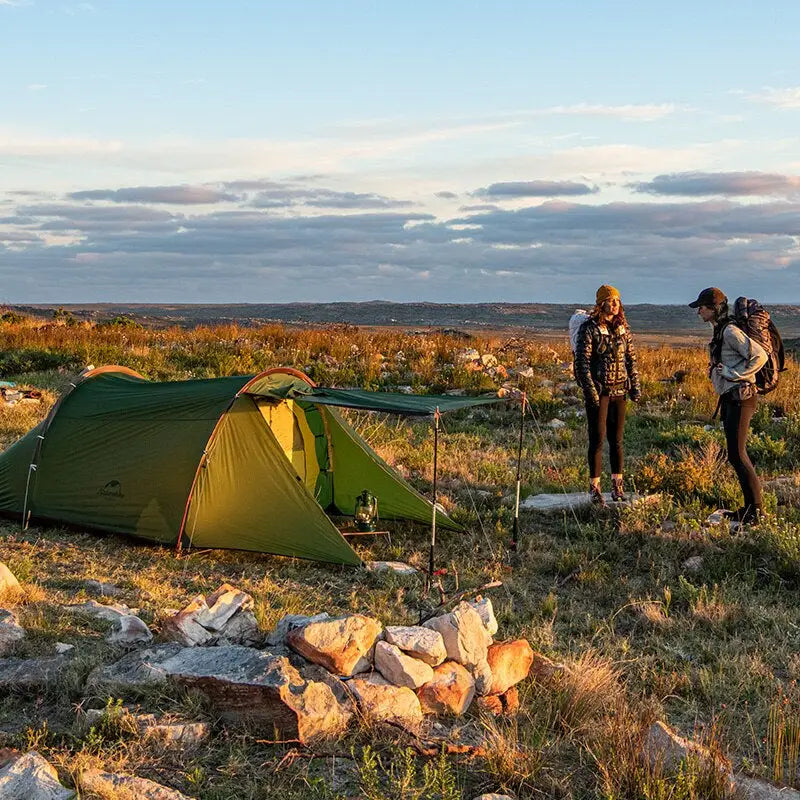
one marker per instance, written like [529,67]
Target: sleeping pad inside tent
[242,462]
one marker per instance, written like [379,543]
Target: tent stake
[515,531]
[435,476]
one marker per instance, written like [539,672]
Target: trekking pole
[515,530]
[435,476]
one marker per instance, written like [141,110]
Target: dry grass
[609,590]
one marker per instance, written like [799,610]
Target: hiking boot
[617,492]
[749,515]
[596,496]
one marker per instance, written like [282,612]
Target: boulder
[170,734]
[96,783]
[398,567]
[450,692]
[7,579]
[289,623]
[510,663]
[754,789]
[381,701]
[483,605]
[400,669]
[544,668]
[343,645]
[31,674]
[224,617]
[465,638]
[423,643]
[244,684]
[497,704]
[11,631]
[569,501]
[31,777]
[128,630]
[663,746]
[110,612]
[135,672]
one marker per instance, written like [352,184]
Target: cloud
[286,196]
[645,112]
[175,195]
[787,98]
[446,195]
[514,189]
[696,184]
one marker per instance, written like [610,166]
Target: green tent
[243,462]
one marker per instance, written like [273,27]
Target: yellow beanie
[606,292]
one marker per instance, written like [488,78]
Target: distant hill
[644,318]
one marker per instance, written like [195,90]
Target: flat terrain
[654,612]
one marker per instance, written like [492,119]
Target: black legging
[606,421]
[736,418]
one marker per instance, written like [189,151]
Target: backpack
[575,321]
[755,321]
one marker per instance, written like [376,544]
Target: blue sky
[165,151]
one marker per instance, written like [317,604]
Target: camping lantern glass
[366,511]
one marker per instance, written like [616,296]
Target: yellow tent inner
[289,426]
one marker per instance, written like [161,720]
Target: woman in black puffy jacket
[605,369]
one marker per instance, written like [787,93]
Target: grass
[712,649]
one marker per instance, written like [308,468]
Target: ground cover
[710,644]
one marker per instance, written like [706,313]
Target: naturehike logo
[111,489]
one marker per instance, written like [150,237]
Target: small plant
[783,739]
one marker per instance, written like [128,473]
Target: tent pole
[515,531]
[435,477]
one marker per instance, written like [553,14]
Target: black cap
[711,297]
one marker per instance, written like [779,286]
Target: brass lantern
[366,511]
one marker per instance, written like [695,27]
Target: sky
[260,151]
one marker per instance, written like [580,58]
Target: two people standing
[606,371]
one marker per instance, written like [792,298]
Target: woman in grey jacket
[734,360]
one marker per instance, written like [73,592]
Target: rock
[11,631]
[450,692]
[129,630]
[110,612]
[465,638]
[468,354]
[569,501]
[510,663]
[400,669]
[108,784]
[398,567]
[719,517]
[693,565]
[497,704]
[482,675]
[7,579]
[754,789]
[290,622]
[493,796]
[488,360]
[556,424]
[342,645]
[483,605]
[172,734]
[62,647]
[241,683]
[102,589]
[668,525]
[31,777]
[137,671]
[31,674]
[419,642]
[224,617]
[380,701]
[543,668]
[666,748]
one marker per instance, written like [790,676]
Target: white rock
[62,647]
[484,607]
[11,631]
[423,643]
[693,564]
[400,669]
[221,606]
[108,784]
[493,796]
[465,638]
[110,612]
[489,360]
[129,630]
[718,517]
[754,789]
[398,567]
[7,578]
[556,423]
[572,501]
[31,777]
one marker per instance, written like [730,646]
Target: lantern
[366,511]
